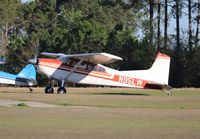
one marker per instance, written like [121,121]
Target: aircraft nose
[32,61]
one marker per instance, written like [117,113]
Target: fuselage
[7,78]
[26,77]
[87,73]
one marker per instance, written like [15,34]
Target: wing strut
[73,69]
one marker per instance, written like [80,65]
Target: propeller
[35,60]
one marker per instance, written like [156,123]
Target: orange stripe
[116,78]
[57,64]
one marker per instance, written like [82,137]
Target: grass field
[96,113]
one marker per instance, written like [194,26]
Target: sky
[24,1]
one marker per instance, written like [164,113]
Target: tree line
[133,29]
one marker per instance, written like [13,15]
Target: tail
[28,73]
[157,76]
[160,68]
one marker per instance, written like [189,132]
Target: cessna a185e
[88,69]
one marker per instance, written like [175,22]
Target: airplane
[26,77]
[88,69]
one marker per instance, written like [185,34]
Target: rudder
[28,72]
[160,68]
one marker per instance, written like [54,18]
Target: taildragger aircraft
[88,69]
[26,77]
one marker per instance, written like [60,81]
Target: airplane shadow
[119,94]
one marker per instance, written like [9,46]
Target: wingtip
[111,55]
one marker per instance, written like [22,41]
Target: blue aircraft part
[28,72]
[6,75]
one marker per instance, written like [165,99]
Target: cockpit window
[73,62]
[90,66]
[100,69]
[68,62]
[84,65]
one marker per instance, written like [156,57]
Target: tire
[61,90]
[49,90]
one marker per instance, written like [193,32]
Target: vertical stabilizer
[28,72]
[160,68]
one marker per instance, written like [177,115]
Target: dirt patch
[10,103]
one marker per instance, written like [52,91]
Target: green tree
[9,16]
[198,23]
[166,24]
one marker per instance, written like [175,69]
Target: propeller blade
[37,49]
[35,60]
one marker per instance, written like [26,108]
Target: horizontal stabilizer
[30,82]
[158,86]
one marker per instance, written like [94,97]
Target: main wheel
[49,90]
[61,90]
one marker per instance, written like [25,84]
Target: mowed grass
[96,113]
[110,97]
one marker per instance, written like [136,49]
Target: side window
[73,62]
[95,68]
[101,69]
[90,67]
[83,65]
[68,61]
[98,68]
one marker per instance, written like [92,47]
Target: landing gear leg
[61,89]
[30,89]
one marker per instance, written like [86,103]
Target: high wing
[96,58]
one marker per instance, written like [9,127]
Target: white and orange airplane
[88,69]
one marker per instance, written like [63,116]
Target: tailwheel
[49,90]
[61,90]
